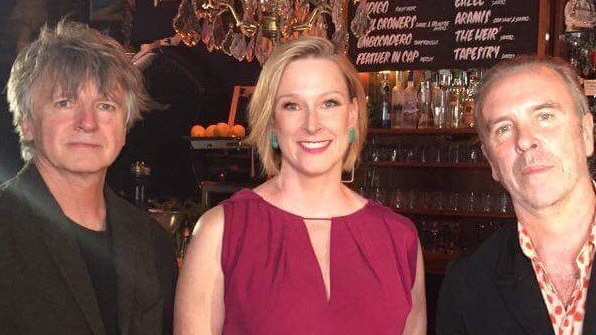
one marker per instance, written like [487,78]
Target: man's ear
[493,170]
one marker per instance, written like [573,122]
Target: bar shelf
[422,131]
[414,166]
[465,165]
[451,213]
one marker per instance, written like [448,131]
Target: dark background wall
[9,153]
[195,84]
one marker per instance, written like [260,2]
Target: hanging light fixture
[247,29]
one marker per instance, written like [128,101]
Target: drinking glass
[424,199]
[487,200]
[475,154]
[436,200]
[375,154]
[379,195]
[399,199]
[372,176]
[470,204]
[504,203]
[440,103]
[411,199]
[454,153]
[428,153]
[454,201]
[395,152]
[408,152]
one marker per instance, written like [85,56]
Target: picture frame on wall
[239,106]
[113,18]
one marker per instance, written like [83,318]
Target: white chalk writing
[480,34]
[468,3]
[507,38]
[406,56]
[384,40]
[394,23]
[405,9]
[426,42]
[377,7]
[477,53]
[366,58]
[473,17]
[439,25]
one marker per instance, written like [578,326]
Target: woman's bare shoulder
[210,223]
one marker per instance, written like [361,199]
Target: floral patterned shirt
[567,319]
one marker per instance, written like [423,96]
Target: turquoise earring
[351,135]
[273,141]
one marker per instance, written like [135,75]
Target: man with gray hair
[536,276]
[74,257]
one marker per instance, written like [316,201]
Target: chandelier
[248,29]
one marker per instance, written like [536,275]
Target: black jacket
[45,287]
[495,291]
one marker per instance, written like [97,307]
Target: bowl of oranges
[220,129]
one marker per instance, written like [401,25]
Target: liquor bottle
[456,96]
[440,94]
[425,118]
[397,101]
[590,72]
[584,65]
[410,106]
[590,84]
[372,98]
[385,96]
[140,173]
[468,101]
[574,56]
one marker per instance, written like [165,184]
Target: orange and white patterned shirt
[566,319]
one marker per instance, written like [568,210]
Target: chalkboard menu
[434,34]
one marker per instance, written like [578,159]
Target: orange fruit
[197,131]
[238,130]
[210,131]
[222,129]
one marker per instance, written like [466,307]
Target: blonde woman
[302,253]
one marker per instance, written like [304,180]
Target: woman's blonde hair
[262,104]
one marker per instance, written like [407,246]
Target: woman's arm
[416,321]
[199,306]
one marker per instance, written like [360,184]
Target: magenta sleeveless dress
[273,282]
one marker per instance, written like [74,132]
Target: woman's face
[312,116]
